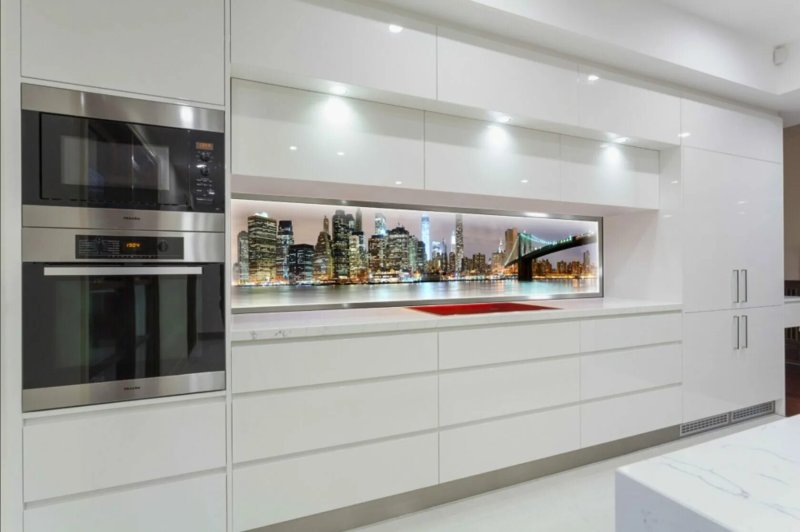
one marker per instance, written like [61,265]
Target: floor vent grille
[701,425]
[752,411]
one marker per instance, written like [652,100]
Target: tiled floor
[577,500]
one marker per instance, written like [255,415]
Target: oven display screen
[119,247]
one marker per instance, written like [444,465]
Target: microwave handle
[82,271]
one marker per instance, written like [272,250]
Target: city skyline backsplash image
[284,244]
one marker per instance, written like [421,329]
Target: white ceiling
[772,22]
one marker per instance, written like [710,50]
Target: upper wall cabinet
[607,173]
[617,107]
[733,132]
[486,158]
[173,49]
[296,134]
[480,73]
[335,41]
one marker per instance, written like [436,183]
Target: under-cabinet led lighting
[339,90]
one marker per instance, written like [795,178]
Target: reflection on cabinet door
[733,232]
[732,359]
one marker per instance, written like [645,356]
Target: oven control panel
[128,247]
[206,168]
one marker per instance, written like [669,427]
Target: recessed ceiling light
[684,134]
[537,214]
[592,77]
[339,89]
[398,182]
[293,148]
[621,140]
[340,153]
[523,180]
[675,182]
[394,28]
[504,119]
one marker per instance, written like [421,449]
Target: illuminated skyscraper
[323,256]
[425,235]
[398,250]
[380,224]
[509,240]
[300,261]
[341,245]
[285,239]
[326,226]
[421,253]
[242,259]
[459,247]
[262,246]
[358,227]
[357,257]
[586,260]
[377,253]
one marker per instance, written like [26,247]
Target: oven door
[103,333]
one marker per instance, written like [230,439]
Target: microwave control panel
[128,247]
[206,171]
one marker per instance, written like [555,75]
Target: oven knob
[163,246]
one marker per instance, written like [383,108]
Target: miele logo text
[128,388]
[131,218]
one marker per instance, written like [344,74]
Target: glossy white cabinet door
[719,377]
[614,106]
[733,221]
[485,74]
[335,41]
[607,173]
[173,49]
[730,131]
[463,155]
[337,139]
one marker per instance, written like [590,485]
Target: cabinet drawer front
[630,370]
[273,424]
[614,333]
[491,345]
[475,449]
[643,412]
[195,504]
[277,491]
[338,140]
[285,364]
[481,393]
[92,451]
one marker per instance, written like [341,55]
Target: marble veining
[746,481]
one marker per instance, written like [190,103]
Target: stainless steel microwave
[126,159]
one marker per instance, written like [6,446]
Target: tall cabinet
[733,262]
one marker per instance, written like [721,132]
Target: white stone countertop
[272,325]
[745,481]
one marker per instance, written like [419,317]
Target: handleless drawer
[490,345]
[290,421]
[95,450]
[290,363]
[613,333]
[629,370]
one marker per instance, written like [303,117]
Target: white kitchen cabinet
[193,504]
[629,370]
[733,359]
[733,232]
[280,490]
[485,74]
[463,155]
[608,173]
[617,332]
[285,422]
[173,49]
[333,41]
[732,131]
[91,451]
[617,106]
[296,134]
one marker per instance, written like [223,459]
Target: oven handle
[82,271]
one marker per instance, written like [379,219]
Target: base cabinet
[732,359]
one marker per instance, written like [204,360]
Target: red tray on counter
[478,308]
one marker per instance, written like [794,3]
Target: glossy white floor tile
[580,499]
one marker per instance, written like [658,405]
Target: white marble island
[748,481]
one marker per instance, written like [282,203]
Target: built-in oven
[111,316]
[92,159]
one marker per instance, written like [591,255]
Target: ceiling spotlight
[592,77]
[621,140]
[684,134]
[293,148]
[504,119]
[394,28]
[340,153]
[523,180]
[339,90]
[398,182]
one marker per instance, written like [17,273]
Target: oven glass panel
[88,329]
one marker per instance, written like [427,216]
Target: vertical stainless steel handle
[744,274]
[746,333]
[736,332]
[735,278]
